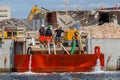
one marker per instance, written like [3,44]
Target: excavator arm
[34,11]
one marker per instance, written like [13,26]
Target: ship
[69,57]
[42,62]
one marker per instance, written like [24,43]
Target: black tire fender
[29,50]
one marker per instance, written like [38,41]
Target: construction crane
[34,11]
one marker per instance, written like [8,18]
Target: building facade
[5,12]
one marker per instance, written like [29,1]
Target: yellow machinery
[69,34]
[34,11]
[1,38]
[5,34]
[10,35]
[1,32]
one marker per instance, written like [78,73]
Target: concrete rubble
[107,30]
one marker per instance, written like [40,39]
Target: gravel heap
[107,30]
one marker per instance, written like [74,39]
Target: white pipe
[33,41]
[48,47]
[30,62]
[54,48]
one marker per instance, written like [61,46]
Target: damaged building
[86,18]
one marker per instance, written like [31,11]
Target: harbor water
[102,75]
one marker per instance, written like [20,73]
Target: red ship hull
[57,63]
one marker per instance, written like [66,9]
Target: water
[98,67]
[106,75]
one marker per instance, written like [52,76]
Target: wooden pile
[107,30]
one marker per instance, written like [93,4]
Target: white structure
[109,47]
[5,12]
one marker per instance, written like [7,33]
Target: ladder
[50,47]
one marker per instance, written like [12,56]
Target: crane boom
[34,11]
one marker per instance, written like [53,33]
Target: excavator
[34,11]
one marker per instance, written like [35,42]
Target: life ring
[97,51]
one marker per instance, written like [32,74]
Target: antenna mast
[67,2]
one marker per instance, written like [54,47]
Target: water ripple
[105,75]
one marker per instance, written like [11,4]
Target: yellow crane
[34,11]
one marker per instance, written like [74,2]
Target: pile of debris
[15,23]
[107,30]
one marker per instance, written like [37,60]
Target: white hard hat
[42,25]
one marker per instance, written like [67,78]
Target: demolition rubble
[106,30]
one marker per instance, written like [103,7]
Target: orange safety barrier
[57,63]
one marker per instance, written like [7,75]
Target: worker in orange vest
[48,34]
[42,35]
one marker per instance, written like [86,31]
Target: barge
[44,62]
